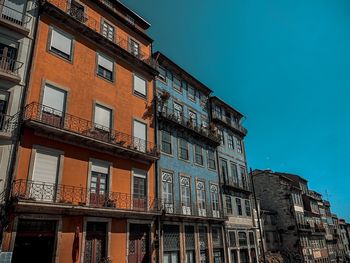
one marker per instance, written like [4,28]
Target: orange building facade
[84,186]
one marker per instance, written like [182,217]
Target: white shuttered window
[140,136]
[45,167]
[54,99]
[61,43]
[102,117]
[140,86]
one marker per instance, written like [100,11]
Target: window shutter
[102,116]
[54,98]
[100,167]
[45,167]
[105,63]
[140,85]
[61,42]
[10,6]
[139,130]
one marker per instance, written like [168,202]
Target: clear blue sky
[284,64]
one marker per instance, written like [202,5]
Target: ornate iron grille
[73,124]
[190,241]
[171,238]
[59,194]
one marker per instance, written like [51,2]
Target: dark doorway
[35,240]
[95,245]
[138,244]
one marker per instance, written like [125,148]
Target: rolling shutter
[54,98]
[105,62]
[61,42]
[45,167]
[140,85]
[103,116]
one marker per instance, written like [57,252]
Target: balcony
[230,122]
[237,185]
[8,125]
[66,127]
[314,195]
[76,199]
[192,211]
[9,69]
[189,124]
[319,228]
[88,26]
[304,227]
[14,19]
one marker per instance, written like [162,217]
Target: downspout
[12,162]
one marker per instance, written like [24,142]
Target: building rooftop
[220,102]
[166,62]
[140,21]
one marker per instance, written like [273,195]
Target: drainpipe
[258,216]
[12,161]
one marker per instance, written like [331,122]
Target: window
[244,177]
[168,201]
[140,136]
[214,195]
[185,195]
[193,117]
[177,84]
[239,206]
[178,111]
[230,141]
[134,48]
[191,93]
[46,165]
[162,74]
[242,238]
[224,169]
[61,44]
[77,11]
[251,239]
[247,208]
[234,173]
[54,100]
[183,153]
[211,160]
[200,188]
[222,137]
[228,117]
[232,236]
[140,86]
[166,145]
[229,205]
[98,182]
[108,30]
[198,151]
[140,189]
[217,112]
[239,146]
[3,108]
[105,67]
[13,11]
[102,117]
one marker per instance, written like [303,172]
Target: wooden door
[138,244]
[95,244]
[139,193]
[98,188]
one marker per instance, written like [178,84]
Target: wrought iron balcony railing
[73,124]
[95,25]
[231,122]
[9,65]
[304,226]
[14,16]
[8,124]
[240,184]
[58,194]
[190,123]
[192,210]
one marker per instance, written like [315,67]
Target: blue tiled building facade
[188,181]
[235,184]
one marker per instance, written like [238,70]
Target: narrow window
[234,173]
[239,206]
[162,74]
[177,84]
[191,93]
[140,136]
[178,111]
[168,197]
[214,194]
[3,108]
[140,86]
[222,137]
[198,154]
[193,118]
[102,117]
[201,200]
[239,146]
[224,169]
[230,141]
[242,237]
[211,160]
[247,208]
[183,145]
[140,189]
[229,205]
[166,145]
[105,67]
[232,236]
[134,48]
[185,195]
[108,31]
[61,44]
